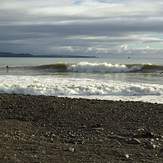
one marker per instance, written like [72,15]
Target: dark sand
[62,130]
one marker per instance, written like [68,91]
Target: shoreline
[60,129]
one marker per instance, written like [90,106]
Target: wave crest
[87,67]
[102,68]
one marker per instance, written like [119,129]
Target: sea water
[136,79]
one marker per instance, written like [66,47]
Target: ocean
[127,79]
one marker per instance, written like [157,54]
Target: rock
[136,140]
[71,134]
[127,156]
[133,141]
[71,149]
[142,133]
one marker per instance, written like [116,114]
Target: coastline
[58,129]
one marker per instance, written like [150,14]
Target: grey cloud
[91,28]
[23,30]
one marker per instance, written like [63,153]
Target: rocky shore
[42,129]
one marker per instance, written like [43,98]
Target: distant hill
[8,54]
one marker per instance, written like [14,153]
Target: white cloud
[97,10]
[124,47]
[62,49]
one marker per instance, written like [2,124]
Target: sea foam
[80,87]
[102,67]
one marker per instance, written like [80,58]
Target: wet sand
[41,129]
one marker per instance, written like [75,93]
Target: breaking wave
[87,67]
[51,86]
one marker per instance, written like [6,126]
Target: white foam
[87,88]
[101,67]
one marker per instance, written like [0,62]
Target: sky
[82,27]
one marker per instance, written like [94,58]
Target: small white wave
[51,86]
[101,67]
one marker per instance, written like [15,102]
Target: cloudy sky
[89,27]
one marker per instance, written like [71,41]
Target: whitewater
[134,79]
[81,87]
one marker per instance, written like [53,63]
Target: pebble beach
[56,129]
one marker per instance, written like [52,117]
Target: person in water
[7,68]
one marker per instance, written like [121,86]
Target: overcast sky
[91,27]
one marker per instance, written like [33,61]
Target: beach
[81,81]
[59,129]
